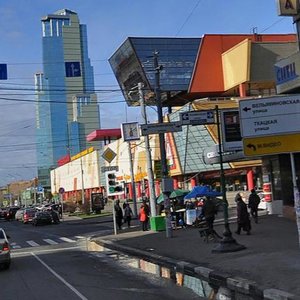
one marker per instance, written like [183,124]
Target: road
[51,262]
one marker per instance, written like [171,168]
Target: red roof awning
[104,134]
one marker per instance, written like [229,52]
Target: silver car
[4,250]
[19,214]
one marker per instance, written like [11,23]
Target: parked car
[28,215]
[4,250]
[19,214]
[11,212]
[2,213]
[41,218]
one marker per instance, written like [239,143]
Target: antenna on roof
[254,30]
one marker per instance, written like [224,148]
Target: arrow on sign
[246,109]
[185,116]
[210,115]
[251,146]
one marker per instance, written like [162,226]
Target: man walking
[209,211]
[253,202]
[118,214]
[243,220]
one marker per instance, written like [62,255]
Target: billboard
[231,130]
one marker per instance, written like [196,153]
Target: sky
[109,23]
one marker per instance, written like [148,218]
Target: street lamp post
[228,243]
[166,180]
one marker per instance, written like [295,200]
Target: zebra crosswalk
[45,242]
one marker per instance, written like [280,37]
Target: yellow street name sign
[268,145]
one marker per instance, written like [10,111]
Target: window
[46,28]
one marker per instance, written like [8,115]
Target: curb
[225,283]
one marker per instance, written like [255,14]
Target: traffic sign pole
[228,243]
[132,180]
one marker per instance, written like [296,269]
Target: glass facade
[61,129]
[190,143]
[133,62]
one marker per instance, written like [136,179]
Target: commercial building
[225,70]
[216,71]
[67,109]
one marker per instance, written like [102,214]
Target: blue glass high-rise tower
[67,109]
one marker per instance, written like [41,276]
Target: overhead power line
[188,17]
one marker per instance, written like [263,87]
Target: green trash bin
[158,223]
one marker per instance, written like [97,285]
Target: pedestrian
[253,202]
[118,214]
[127,214]
[243,220]
[144,215]
[209,211]
[125,203]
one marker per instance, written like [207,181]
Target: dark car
[42,218]
[4,249]
[11,212]
[2,213]
[28,215]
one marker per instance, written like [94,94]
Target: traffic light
[113,187]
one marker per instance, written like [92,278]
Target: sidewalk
[271,259]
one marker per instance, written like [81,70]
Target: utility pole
[166,181]
[34,191]
[82,184]
[148,154]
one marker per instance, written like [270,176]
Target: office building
[67,109]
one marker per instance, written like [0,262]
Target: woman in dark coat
[118,214]
[243,220]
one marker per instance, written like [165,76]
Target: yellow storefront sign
[82,153]
[268,145]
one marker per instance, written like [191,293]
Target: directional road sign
[197,117]
[270,116]
[3,71]
[157,128]
[40,189]
[269,145]
[73,69]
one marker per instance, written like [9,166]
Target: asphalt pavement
[269,267]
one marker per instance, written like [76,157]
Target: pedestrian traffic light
[113,186]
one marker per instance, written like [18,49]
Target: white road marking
[60,278]
[32,243]
[65,239]
[79,237]
[51,242]
[26,253]
[16,246]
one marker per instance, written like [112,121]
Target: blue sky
[109,23]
